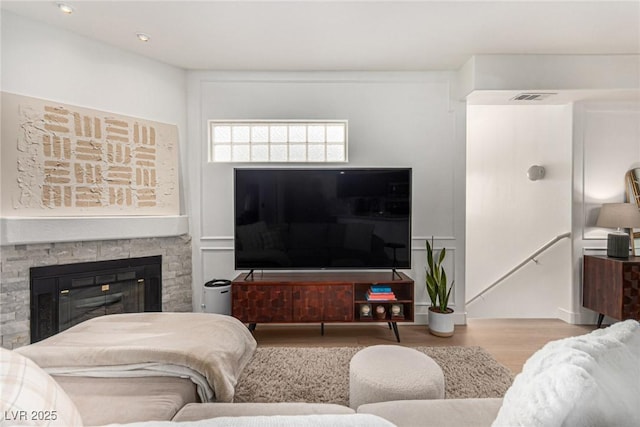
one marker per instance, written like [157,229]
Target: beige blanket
[212,347]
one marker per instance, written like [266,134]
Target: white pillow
[30,397]
[585,381]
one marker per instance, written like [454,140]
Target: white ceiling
[340,35]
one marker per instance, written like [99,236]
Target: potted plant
[440,315]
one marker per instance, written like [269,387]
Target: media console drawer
[320,298]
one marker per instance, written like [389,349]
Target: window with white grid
[277,141]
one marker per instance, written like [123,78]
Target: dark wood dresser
[611,287]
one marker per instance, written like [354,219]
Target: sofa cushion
[199,411]
[129,399]
[316,420]
[436,413]
[588,380]
[30,396]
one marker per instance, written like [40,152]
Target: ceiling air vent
[532,96]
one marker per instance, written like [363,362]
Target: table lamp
[618,215]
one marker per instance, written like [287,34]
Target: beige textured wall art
[62,160]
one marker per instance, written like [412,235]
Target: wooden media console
[323,298]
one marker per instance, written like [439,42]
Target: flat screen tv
[350,218]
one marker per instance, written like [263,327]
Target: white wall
[606,146]
[604,138]
[395,119]
[45,62]
[509,217]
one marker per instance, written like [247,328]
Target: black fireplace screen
[64,295]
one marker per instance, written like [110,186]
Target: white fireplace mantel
[25,230]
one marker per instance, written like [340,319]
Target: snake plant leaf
[446,300]
[429,255]
[442,290]
[443,253]
[432,290]
[436,278]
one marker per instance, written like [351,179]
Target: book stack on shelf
[380,293]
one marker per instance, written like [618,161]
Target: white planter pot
[441,324]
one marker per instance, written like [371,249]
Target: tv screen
[322,218]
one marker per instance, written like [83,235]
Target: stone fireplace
[173,290]
[64,295]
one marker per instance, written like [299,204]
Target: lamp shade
[619,215]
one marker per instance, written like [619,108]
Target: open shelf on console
[399,309]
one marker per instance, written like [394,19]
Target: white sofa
[590,380]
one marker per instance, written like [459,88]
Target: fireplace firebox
[64,295]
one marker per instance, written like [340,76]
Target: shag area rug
[321,374]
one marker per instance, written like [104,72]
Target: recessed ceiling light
[143,37]
[65,8]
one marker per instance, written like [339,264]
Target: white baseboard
[581,318]
[569,316]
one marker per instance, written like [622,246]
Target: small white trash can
[217,297]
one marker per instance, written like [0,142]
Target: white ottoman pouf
[382,373]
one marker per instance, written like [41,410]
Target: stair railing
[531,257]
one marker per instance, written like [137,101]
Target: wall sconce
[535,172]
[65,8]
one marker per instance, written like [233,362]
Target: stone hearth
[16,260]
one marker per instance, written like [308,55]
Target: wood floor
[510,341]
